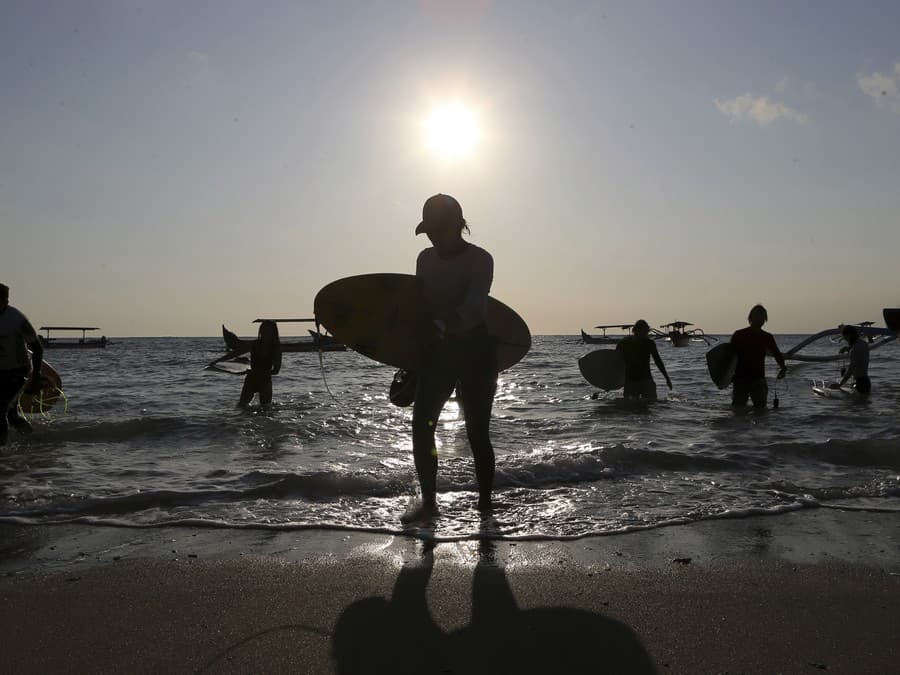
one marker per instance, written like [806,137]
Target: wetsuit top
[457,288]
[750,347]
[265,359]
[637,353]
[16,334]
[859,359]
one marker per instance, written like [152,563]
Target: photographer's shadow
[374,635]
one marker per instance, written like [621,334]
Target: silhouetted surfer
[637,349]
[16,337]
[265,361]
[859,362]
[456,278]
[751,345]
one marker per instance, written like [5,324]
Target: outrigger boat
[679,337]
[876,337]
[317,340]
[83,342]
[605,339]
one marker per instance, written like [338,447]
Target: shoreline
[807,591]
[822,535]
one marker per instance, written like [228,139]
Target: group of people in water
[456,278]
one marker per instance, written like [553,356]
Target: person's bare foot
[421,512]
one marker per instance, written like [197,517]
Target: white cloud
[758,109]
[884,89]
[198,58]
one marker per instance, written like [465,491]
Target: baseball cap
[438,209]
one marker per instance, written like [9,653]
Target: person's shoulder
[476,251]
[426,254]
[16,314]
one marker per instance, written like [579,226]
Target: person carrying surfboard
[455,277]
[17,336]
[859,362]
[265,361]
[751,345]
[636,350]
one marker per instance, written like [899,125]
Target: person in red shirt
[751,345]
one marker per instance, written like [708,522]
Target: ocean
[147,438]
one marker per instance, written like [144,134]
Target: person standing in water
[751,345]
[265,361]
[859,362]
[455,278]
[637,349]
[17,336]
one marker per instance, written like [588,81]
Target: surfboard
[721,361]
[230,367]
[384,317]
[603,368]
[51,388]
[822,389]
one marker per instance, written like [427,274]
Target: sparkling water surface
[149,438]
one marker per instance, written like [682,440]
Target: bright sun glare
[452,131]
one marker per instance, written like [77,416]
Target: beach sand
[804,592]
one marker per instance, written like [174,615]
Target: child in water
[265,361]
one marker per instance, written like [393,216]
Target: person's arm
[429,327]
[276,358]
[659,364]
[473,308]
[779,357]
[37,356]
[852,367]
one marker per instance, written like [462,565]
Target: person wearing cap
[455,277]
[751,345]
[17,336]
[859,362]
[637,349]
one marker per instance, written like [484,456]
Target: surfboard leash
[42,411]
[322,369]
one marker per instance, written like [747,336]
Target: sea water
[148,438]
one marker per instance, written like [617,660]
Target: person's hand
[34,385]
[782,373]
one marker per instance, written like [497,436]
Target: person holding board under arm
[17,336]
[456,278]
[751,345]
[637,349]
[859,362]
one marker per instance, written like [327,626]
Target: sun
[452,130]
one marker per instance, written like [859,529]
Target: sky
[167,167]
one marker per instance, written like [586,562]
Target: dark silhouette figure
[375,635]
[265,361]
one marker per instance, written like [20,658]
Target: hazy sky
[166,167]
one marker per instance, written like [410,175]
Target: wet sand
[813,591]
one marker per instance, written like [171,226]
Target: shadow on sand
[374,635]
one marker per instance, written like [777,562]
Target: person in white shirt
[17,336]
[455,277]
[859,361]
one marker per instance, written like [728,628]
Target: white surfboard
[822,389]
